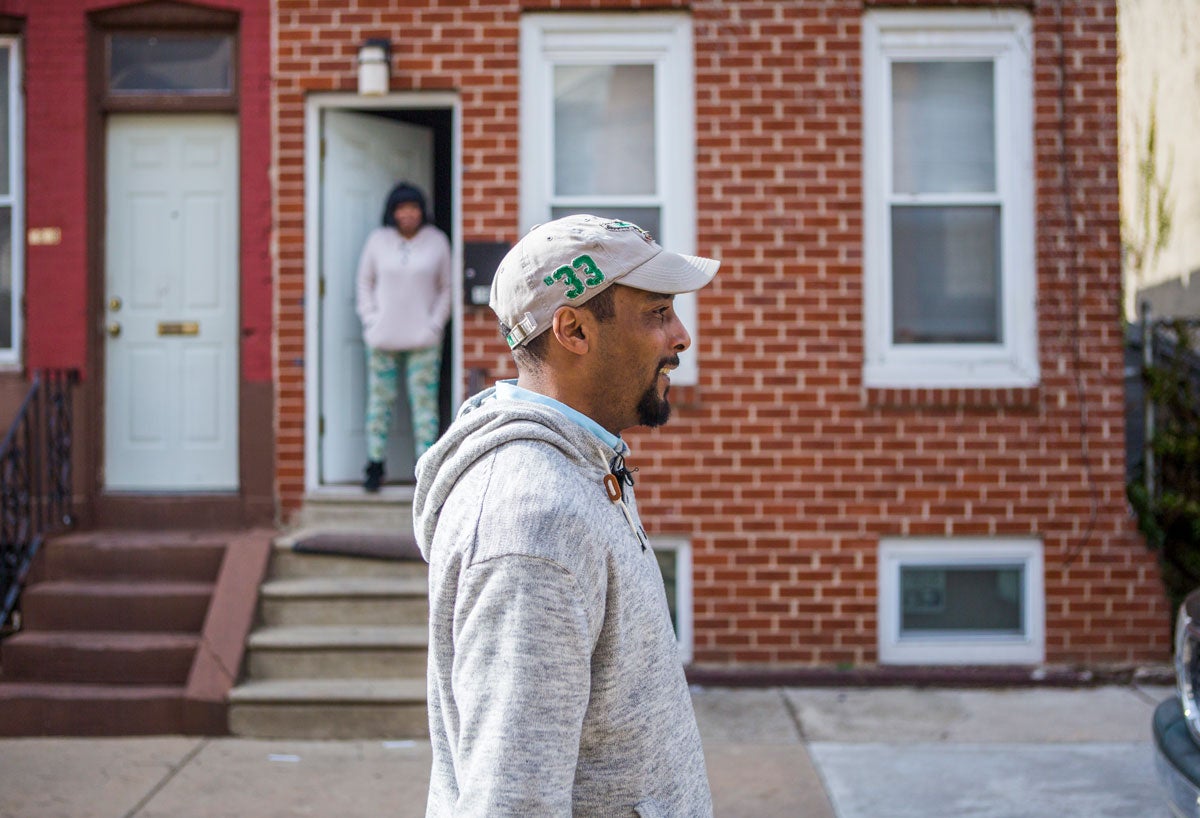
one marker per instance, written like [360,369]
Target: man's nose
[681,338]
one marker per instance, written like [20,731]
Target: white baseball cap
[570,260]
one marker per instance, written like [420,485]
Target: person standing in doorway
[403,301]
[555,685]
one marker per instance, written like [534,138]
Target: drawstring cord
[622,473]
[615,481]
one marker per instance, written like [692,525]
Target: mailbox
[480,260]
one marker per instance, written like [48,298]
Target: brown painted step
[99,657]
[33,709]
[132,555]
[116,606]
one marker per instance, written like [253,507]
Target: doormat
[370,544]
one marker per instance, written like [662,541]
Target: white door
[364,157]
[171,303]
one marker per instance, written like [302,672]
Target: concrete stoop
[316,709]
[338,651]
[129,633]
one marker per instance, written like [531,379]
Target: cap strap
[521,331]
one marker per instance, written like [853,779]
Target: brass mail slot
[178,328]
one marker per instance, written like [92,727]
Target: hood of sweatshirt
[484,423]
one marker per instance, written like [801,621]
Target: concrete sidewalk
[811,752]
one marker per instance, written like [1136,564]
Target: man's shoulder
[528,476]
[532,499]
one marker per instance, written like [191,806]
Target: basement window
[675,562]
[961,602]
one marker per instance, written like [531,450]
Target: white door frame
[314,106]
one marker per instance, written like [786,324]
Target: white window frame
[1005,37]
[682,549]
[961,648]
[661,39]
[10,358]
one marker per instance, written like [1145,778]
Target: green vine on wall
[1169,517]
[1144,237]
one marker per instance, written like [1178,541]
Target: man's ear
[572,328]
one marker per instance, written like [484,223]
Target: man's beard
[651,409]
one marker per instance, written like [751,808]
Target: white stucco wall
[1160,63]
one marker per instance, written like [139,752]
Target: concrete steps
[337,651]
[116,604]
[100,657]
[111,625]
[349,508]
[58,709]
[344,600]
[330,708]
[340,646]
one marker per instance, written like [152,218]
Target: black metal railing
[1153,342]
[35,482]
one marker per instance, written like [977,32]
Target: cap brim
[670,272]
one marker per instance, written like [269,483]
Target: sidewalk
[811,752]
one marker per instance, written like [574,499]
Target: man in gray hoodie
[555,684]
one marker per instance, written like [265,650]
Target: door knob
[113,329]
[114,303]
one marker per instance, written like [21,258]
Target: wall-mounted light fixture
[374,62]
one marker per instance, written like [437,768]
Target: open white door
[364,156]
[171,303]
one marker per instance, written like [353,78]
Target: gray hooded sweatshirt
[555,684]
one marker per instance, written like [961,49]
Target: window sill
[984,398]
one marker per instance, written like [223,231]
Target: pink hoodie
[404,288]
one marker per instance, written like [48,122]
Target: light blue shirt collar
[510,391]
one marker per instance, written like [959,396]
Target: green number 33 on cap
[570,275]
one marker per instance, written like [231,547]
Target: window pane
[647,218]
[6,280]
[5,113]
[958,598]
[668,566]
[946,275]
[943,133]
[170,64]
[604,130]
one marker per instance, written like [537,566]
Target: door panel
[364,157]
[171,266]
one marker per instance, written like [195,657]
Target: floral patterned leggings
[422,368]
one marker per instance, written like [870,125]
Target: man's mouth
[665,369]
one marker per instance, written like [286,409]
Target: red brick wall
[781,468]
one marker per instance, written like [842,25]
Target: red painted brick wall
[57,179]
[55,49]
[781,468]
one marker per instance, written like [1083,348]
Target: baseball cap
[572,259]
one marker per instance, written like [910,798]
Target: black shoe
[374,473]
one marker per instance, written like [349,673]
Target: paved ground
[795,752]
[985,754]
